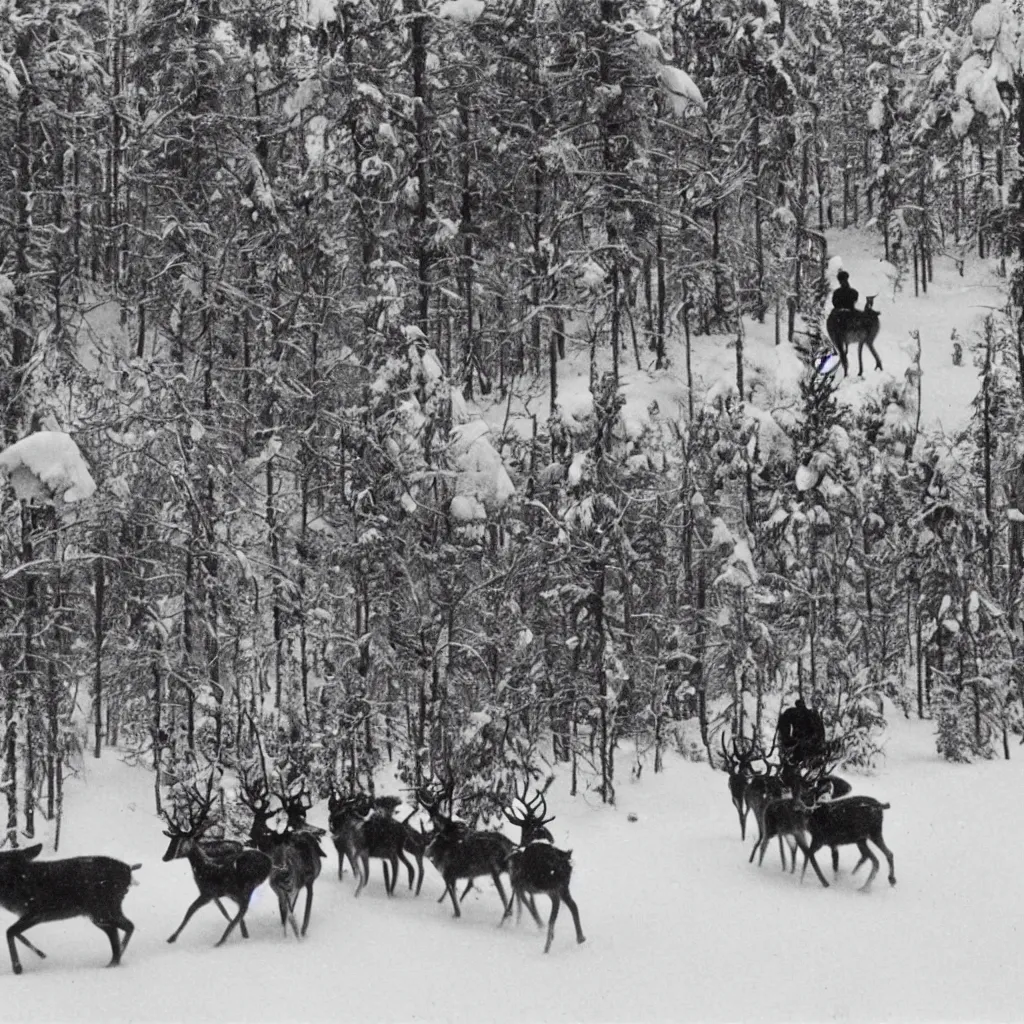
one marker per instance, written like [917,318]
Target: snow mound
[46,465]
[466,11]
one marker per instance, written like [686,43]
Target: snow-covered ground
[679,926]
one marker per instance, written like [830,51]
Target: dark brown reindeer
[294,855]
[538,867]
[850,820]
[345,819]
[363,828]
[761,789]
[220,867]
[56,890]
[416,842]
[738,763]
[858,327]
[457,851]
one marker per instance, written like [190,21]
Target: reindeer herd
[804,804]
[288,856]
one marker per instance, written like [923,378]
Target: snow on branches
[47,465]
[993,60]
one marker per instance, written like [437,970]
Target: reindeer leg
[408,867]
[309,907]
[782,853]
[282,906]
[501,891]
[808,852]
[388,875]
[291,915]
[363,873]
[860,359]
[110,930]
[738,804]
[227,916]
[419,880]
[24,941]
[30,920]
[200,901]
[866,852]
[760,837]
[762,845]
[243,907]
[127,927]
[450,883]
[555,903]
[835,861]
[508,909]
[531,906]
[880,843]
[575,911]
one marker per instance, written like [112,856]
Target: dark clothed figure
[844,297]
[801,733]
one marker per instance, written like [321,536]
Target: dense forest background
[331,233]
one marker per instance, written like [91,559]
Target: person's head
[843,276]
[800,702]
[817,700]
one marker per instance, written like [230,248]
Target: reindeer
[738,763]
[220,867]
[813,781]
[56,890]
[295,855]
[457,851]
[848,820]
[538,867]
[345,817]
[363,827]
[848,326]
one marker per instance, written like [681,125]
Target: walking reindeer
[538,867]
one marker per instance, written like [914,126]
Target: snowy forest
[288,293]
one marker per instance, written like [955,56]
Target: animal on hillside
[858,327]
[538,867]
[56,890]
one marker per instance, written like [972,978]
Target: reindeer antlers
[194,805]
[535,809]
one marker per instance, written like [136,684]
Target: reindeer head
[191,819]
[532,820]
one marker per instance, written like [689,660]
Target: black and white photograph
[511,511]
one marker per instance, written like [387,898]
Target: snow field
[679,926]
